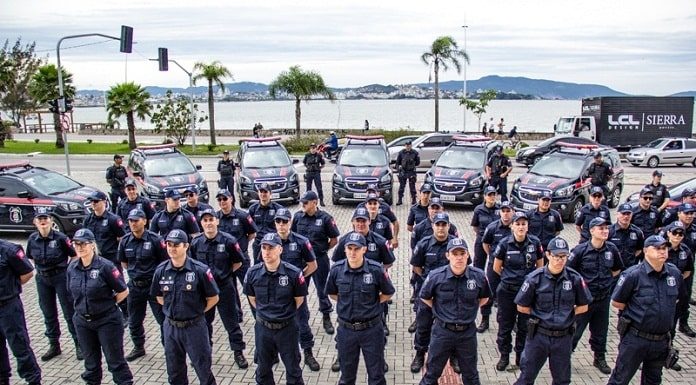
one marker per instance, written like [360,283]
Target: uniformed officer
[669,215]
[598,262]
[97,286]
[685,215]
[497,169]
[406,162]
[134,200]
[484,214]
[594,209]
[646,295]
[321,230]
[645,215]
[15,271]
[425,227]
[419,210]
[514,257]
[263,213]
[51,251]
[682,257]
[116,176]
[661,197]
[172,217]
[139,252]
[297,250]
[186,289]
[600,172]
[627,237]
[226,168]
[378,222]
[193,203]
[552,297]
[314,162]
[276,289]
[360,287]
[385,210]
[544,222]
[454,292]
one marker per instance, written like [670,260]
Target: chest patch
[147,245]
[471,284]
[607,255]
[567,285]
[371,246]
[221,248]
[292,246]
[682,255]
[190,276]
[283,280]
[379,225]
[271,212]
[671,281]
[367,278]
[319,222]
[530,248]
[52,244]
[105,222]
[235,222]
[179,218]
[94,274]
[552,219]
[633,236]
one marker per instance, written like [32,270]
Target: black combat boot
[310,361]
[418,361]
[52,352]
[483,326]
[503,362]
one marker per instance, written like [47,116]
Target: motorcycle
[330,155]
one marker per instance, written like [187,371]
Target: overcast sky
[638,47]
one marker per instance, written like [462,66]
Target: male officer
[116,176]
[15,271]
[627,237]
[645,215]
[454,292]
[226,169]
[263,213]
[276,289]
[222,254]
[425,227]
[297,251]
[661,197]
[600,172]
[193,203]
[544,222]
[598,262]
[419,210]
[406,162]
[484,214]
[385,210]
[134,200]
[378,222]
[174,217]
[360,287]
[314,162]
[646,295]
[139,252]
[685,215]
[514,257]
[682,257]
[594,209]
[497,169]
[321,230]
[552,297]
[186,289]
[669,215]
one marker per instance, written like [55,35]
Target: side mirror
[138,174]
[295,161]
[198,167]
[432,161]
[25,195]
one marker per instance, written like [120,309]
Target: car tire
[335,200]
[693,162]
[680,164]
[390,200]
[57,226]
[653,162]
[574,208]
[615,197]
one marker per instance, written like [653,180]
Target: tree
[443,53]
[44,88]
[17,66]
[478,107]
[302,85]
[213,73]
[174,118]
[128,99]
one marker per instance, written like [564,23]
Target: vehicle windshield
[559,167]
[51,183]
[564,126]
[168,166]
[655,143]
[273,157]
[363,156]
[461,159]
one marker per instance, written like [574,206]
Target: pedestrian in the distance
[116,176]
[225,168]
[314,162]
[406,163]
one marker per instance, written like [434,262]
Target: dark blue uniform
[275,328]
[359,313]
[185,291]
[416,214]
[586,215]
[455,305]
[140,203]
[378,249]
[406,163]
[494,233]
[13,325]
[648,220]
[116,178]
[660,193]
[107,229]
[226,169]
[97,319]
[552,299]
[51,255]
[381,225]
[544,225]
[313,165]
[263,216]
[163,222]
[384,209]
[195,210]
[481,218]
[425,228]
[650,298]
[499,163]
[628,241]
[683,258]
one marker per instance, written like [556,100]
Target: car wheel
[615,197]
[334,200]
[680,164]
[574,209]
[693,162]
[56,226]
[653,162]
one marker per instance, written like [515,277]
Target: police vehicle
[457,175]
[265,160]
[24,188]
[158,169]
[562,172]
[364,161]
[675,193]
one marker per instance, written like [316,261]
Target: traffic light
[126,39]
[163,59]
[68,105]
[53,106]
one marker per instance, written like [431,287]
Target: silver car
[661,151]
[429,147]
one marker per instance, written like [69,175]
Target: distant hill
[685,93]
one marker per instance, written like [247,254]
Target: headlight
[476,181]
[516,185]
[150,189]
[244,179]
[203,185]
[337,178]
[565,191]
[69,206]
[428,178]
[386,178]
[293,178]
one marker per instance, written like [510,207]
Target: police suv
[364,161]
[562,172]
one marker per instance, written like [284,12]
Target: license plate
[449,198]
[275,195]
[529,206]
[360,195]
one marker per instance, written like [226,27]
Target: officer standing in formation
[51,251]
[553,297]
[645,215]
[544,222]
[186,289]
[425,227]
[682,257]
[385,210]
[314,162]
[627,237]
[498,168]
[406,162]
[454,292]
[193,203]
[15,271]
[360,287]
[378,222]
[661,197]
[419,210]
[646,296]
[484,214]
[263,213]
[173,217]
[276,289]
[670,215]
[134,200]
[600,172]
[595,209]
[226,169]
[116,176]
[97,286]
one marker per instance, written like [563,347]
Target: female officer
[97,286]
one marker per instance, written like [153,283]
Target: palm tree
[214,73]
[443,52]
[301,84]
[44,88]
[128,99]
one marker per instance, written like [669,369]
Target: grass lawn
[75,148]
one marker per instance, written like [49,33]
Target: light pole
[464,85]
[193,116]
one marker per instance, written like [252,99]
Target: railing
[49,127]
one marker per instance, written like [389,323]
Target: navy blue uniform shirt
[586,214]
[430,254]
[669,215]
[628,240]
[682,258]
[275,292]
[107,229]
[384,209]
[424,229]
[13,263]
[519,258]
[544,225]
[382,226]
[239,224]
[141,203]
[494,233]
[142,255]
[264,217]
[164,222]
[195,210]
[92,287]
[484,216]
[596,266]
[318,228]
[648,220]
[50,253]
[660,193]
[378,249]
[416,214]
[218,253]
[297,251]
[455,298]
[185,290]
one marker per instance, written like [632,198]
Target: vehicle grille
[276,184]
[359,184]
[445,186]
[530,195]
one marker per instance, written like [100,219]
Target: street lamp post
[193,116]
[464,84]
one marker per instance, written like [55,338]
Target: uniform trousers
[446,343]
[13,333]
[273,342]
[597,316]
[138,299]
[634,351]
[493,281]
[48,288]
[315,177]
[227,307]
[305,336]
[319,278]
[537,350]
[507,316]
[192,340]
[410,178]
[226,183]
[370,342]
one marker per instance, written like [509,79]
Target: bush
[124,141]
[211,147]
[89,141]
[167,141]
[36,140]
[301,145]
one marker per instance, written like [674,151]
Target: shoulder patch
[209,274]
[115,273]
[301,279]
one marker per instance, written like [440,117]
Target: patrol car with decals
[562,172]
[158,169]
[364,161]
[457,176]
[265,160]
[24,188]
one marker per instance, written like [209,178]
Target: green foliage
[128,99]
[211,147]
[300,145]
[44,88]
[18,63]
[124,141]
[214,73]
[173,117]
[478,107]
[89,141]
[24,147]
[36,140]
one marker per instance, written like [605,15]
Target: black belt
[361,325]
[600,297]
[455,327]
[649,336]
[508,287]
[94,317]
[185,323]
[273,325]
[6,301]
[50,272]
[141,282]
[554,333]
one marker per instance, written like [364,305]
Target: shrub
[211,147]
[301,144]
[36,140]
[89,141]
[124,141]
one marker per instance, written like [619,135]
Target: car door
[428,150]
[690,151]
[673,152]
[15,213]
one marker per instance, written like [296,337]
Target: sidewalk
[201,139]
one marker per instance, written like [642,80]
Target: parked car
[675,192]
[364,161]
[677,151]
[531,154]
[429,147]
[401,141]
